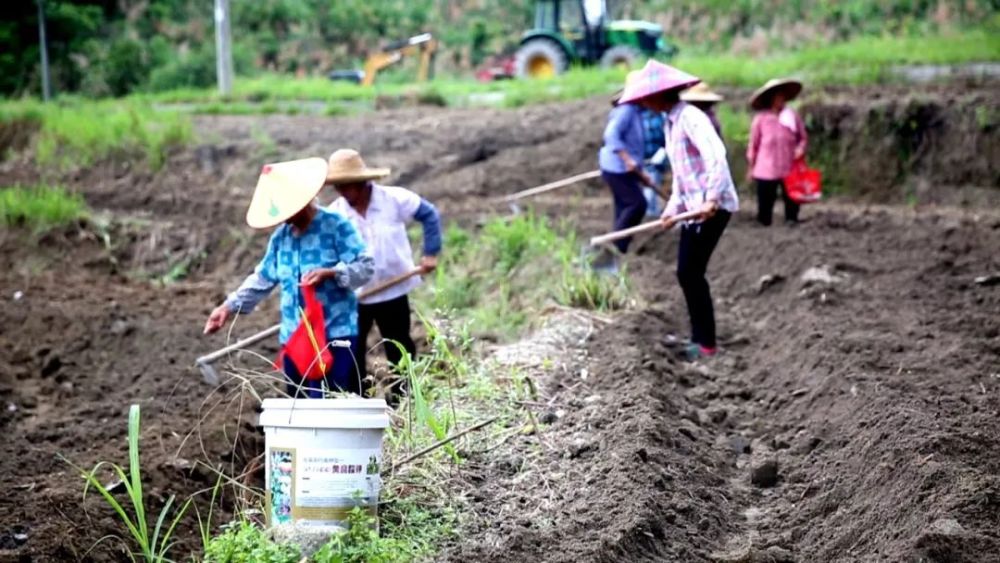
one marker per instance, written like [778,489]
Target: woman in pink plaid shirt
[702,183]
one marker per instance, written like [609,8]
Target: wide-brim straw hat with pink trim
[790,86]
[284,189]
[656,78]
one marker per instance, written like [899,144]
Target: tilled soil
[876,394]
[875,388]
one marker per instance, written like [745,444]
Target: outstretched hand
[220,315]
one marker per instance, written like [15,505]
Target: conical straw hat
[700,93]
[791,87]
[284,189]
[656,78]
[346,166]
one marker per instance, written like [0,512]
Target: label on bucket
[322,486]
[329,477]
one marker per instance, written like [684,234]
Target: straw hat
[656,78]
[346,166]
[284,189]
[791,87]
[701,93]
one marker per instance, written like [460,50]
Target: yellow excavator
[423,45]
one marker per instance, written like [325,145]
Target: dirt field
[876,392]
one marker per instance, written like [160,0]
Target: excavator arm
[425,45]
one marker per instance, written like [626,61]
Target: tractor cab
[582,32]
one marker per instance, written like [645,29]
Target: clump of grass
[586,289]
[513,267]
[74,133]
[39,207]
[152,547]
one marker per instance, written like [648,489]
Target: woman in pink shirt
[777,139]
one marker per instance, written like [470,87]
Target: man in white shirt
[381,214]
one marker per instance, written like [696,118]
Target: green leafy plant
[244,542]
[152,547]
[361,543]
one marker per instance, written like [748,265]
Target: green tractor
[579,32]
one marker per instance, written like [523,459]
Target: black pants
[393,320]
[698,241]
[767,193]
[630,203]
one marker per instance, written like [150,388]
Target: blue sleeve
[252,291]
[259,284]
[614,132]
[430,219]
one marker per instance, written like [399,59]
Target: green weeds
[74,133]
[591,290]
[245,542]
[39,207]
[515,266]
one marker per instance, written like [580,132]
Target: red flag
[306,347]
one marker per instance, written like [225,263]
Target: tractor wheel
[621,56]
[540,58]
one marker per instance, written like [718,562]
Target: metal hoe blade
[208,373]
[604,261]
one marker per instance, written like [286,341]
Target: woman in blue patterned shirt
[311,246]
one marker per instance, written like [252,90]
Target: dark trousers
[393,320]
[342,376]
[630,203]
[767,193]
[698,241]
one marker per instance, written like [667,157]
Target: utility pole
[223,48]
[43,44]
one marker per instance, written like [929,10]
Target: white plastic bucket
[322,458]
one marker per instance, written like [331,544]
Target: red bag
[306,347]
[804,184]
